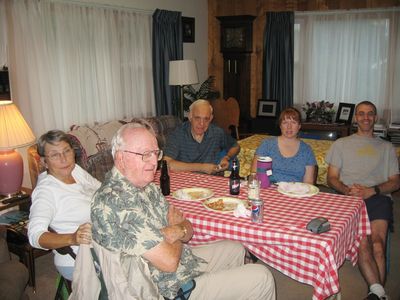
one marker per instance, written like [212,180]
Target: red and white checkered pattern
[282,240]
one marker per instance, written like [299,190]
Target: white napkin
[241,211]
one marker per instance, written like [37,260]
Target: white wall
[197,51]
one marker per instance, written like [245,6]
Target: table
[249,145]
[17,238]
[282,241]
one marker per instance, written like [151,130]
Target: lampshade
[183,72]
[14,133]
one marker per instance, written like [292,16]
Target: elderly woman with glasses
[61,201]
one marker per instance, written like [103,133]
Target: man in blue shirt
[197,144]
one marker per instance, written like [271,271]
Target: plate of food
[224,204]
[297,189]
[193,194]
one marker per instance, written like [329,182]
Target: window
[347,57]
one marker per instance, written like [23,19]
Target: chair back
[226,115]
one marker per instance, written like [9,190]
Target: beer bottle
[164,178]
[234,179]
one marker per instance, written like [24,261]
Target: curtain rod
[348,11]
[105,5]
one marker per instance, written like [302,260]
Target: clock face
[234,37]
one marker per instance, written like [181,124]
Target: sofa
[13,275]
[92,144]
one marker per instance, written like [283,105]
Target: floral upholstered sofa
[92,144]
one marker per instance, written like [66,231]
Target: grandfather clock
[236,48]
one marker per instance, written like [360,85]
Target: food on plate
[216,205]
[196,195]
[294,187]
[222,204]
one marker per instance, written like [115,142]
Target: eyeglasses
[148,155]
[57,155]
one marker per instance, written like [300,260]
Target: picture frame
[345,113]
[267,108]
[188,29]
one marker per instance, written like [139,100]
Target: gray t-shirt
[363,160]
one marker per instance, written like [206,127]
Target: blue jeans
[65,272]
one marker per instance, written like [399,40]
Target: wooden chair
[226,115]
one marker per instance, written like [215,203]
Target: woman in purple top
[292,159]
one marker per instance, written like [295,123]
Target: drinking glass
[253,185]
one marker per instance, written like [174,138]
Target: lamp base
[12,196]
[11,172]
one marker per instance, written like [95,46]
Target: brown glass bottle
[234,179]
[164,178]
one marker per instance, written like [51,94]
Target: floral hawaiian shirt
[129,219]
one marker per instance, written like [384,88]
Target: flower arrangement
[319,111]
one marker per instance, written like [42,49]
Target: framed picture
[345,113]
[188,30]
[267,108]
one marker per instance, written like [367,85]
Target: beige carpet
[352,284]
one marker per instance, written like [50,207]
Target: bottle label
[235,186]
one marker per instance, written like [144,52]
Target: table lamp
[182,72]
[14,133]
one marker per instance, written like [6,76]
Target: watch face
[235,37]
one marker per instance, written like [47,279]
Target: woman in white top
[61,200]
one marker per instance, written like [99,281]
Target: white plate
[192,194]
[297,189]
[228,204]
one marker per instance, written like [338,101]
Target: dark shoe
[372,296]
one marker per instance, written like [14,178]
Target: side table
[17,238]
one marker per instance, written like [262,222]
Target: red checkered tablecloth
[282,240]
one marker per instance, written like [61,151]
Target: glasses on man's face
[58,155]
[148,155]
[369,114]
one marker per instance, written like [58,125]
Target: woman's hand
[83,235]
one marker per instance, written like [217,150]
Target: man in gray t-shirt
[365,166]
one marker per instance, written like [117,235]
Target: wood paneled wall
[258,8]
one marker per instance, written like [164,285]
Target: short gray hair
[200,102]
[52,137]
[118,141]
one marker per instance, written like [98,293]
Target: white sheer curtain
[348,57]
[76,64]
[3,35]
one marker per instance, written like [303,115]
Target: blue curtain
[278,58]
[167,45]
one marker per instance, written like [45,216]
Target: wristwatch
[377,190]
[184,230]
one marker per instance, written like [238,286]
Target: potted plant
[206,91]
[319,111]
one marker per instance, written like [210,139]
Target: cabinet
[338,130]
[237,81]
[236,48]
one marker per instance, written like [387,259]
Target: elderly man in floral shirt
[131,216]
